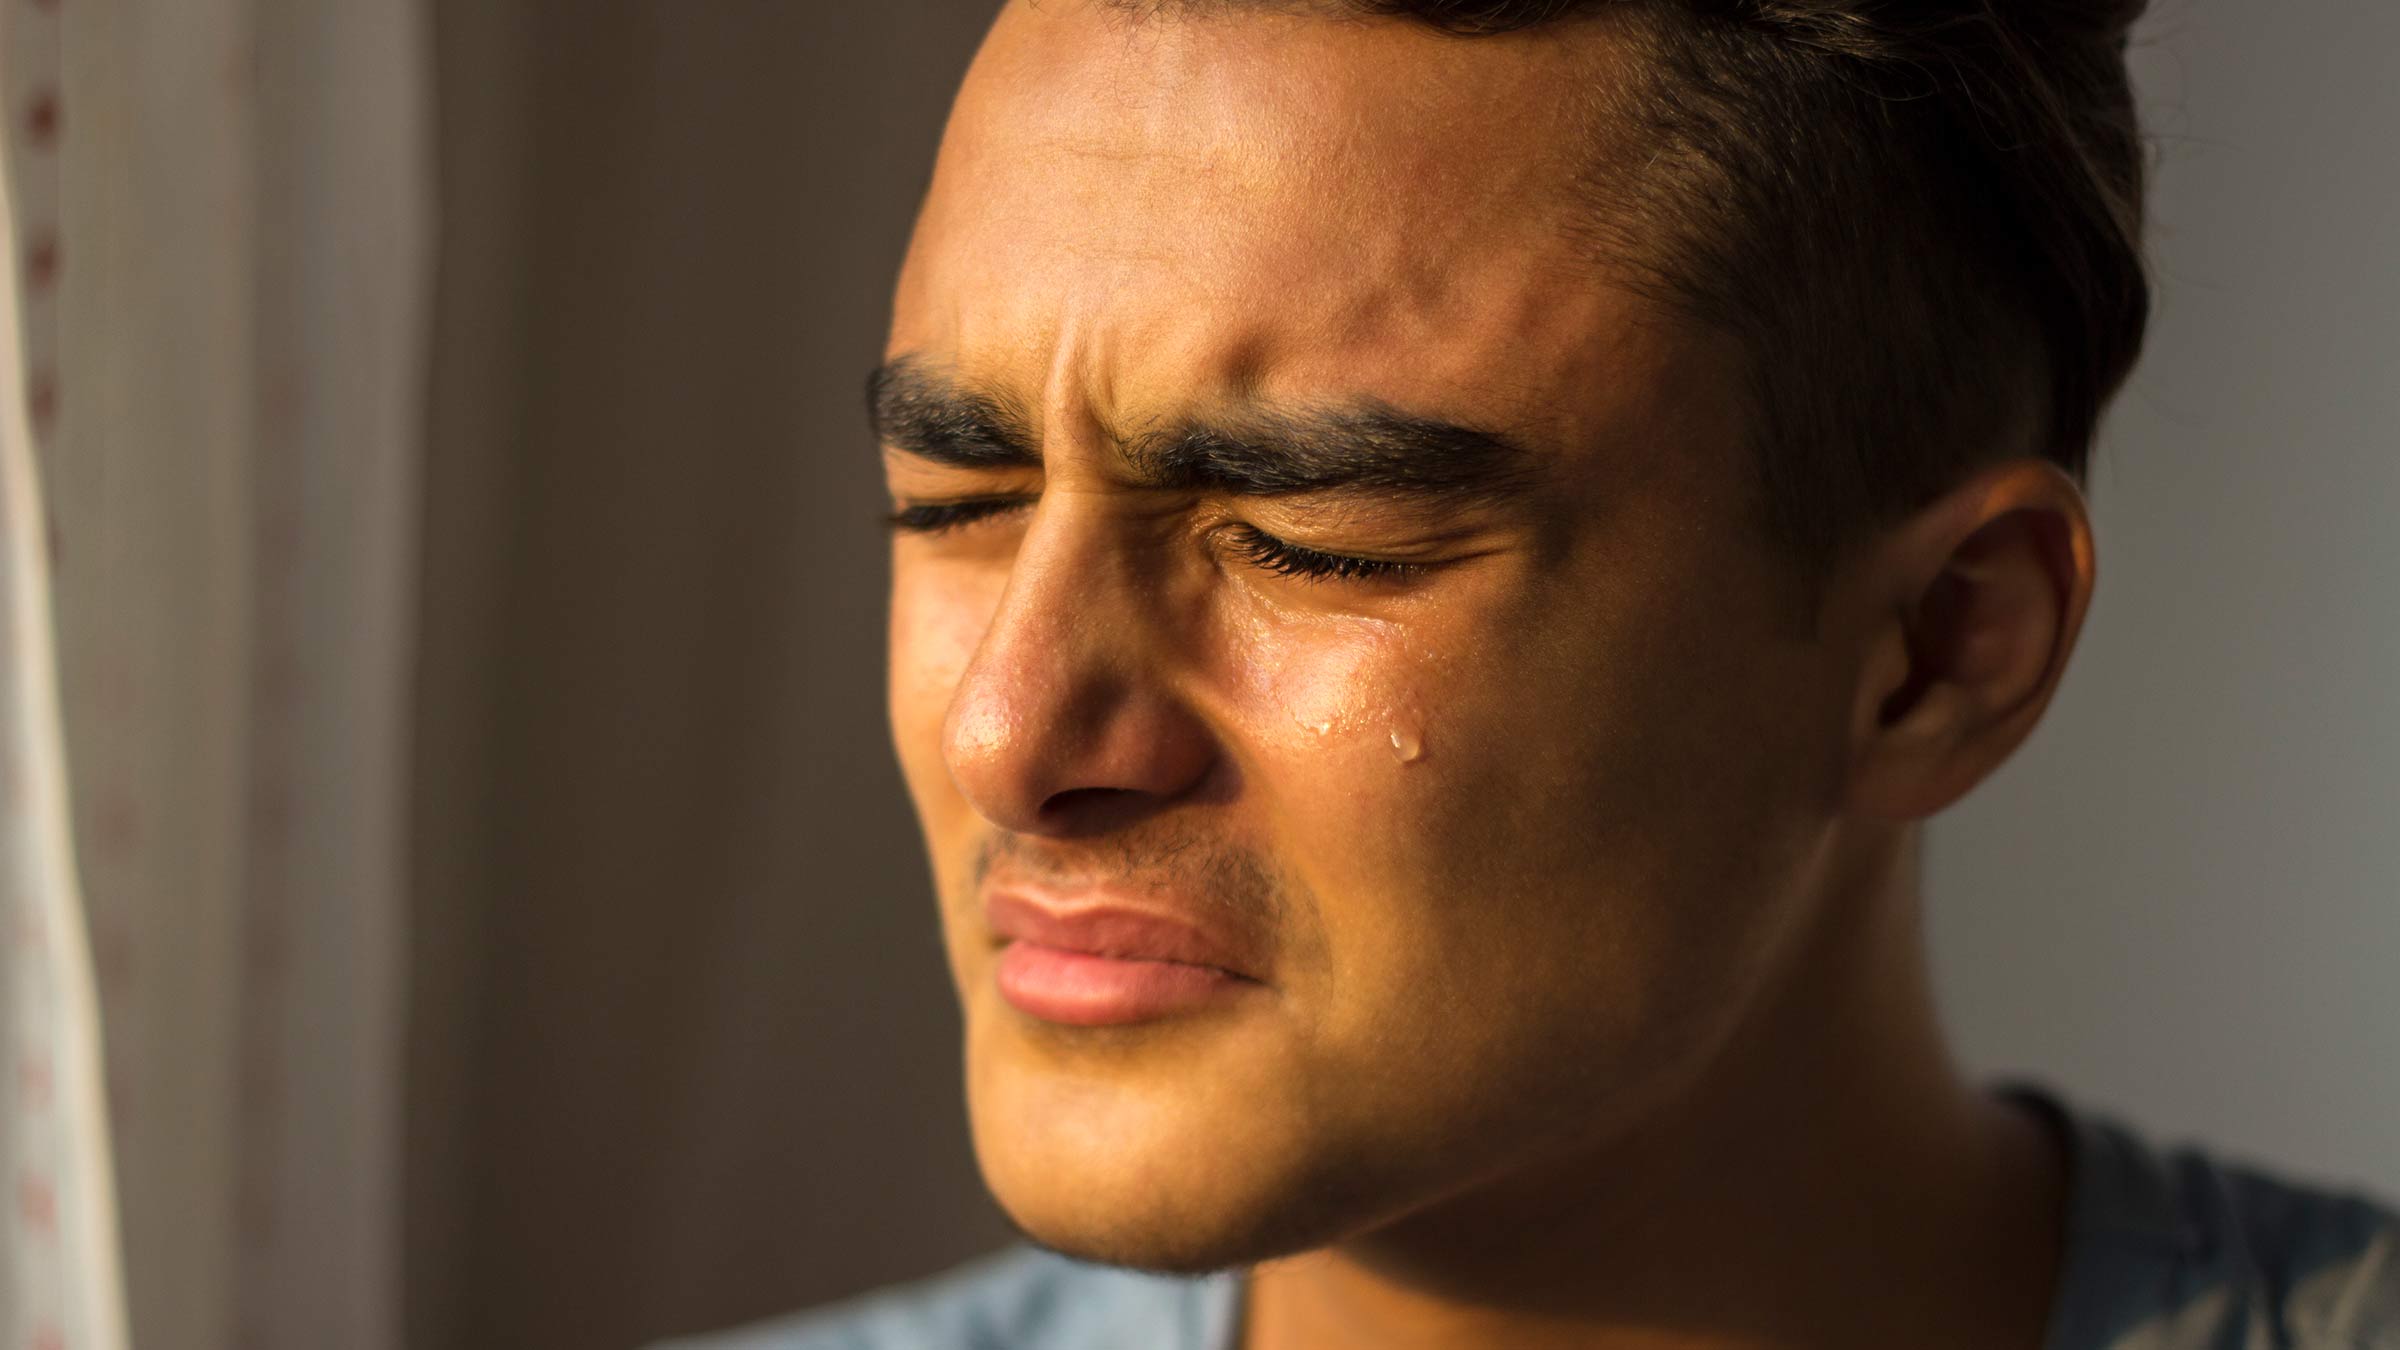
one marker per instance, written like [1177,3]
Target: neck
[1832,1180]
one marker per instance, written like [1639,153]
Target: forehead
[1162,212]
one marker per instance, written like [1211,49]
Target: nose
[1065,722]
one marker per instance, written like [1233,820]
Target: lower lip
[1082,990]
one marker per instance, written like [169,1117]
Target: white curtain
[224,220]
[59,1284]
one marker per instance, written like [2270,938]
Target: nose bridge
[1055,612]
[1070,687]
[1066,577]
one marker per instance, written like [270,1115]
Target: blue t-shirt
[2164,1251]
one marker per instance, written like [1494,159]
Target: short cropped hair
[1920,219]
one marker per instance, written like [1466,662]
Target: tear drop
[1407,746]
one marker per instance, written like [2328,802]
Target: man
[1445,550]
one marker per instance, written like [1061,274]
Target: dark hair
[1921,218]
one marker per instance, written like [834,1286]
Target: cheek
[1325,704]
[1345,731]
[1487,803]
[938,619]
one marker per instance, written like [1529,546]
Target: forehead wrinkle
[1082,411]
[1058,219]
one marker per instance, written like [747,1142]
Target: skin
[1601,1021]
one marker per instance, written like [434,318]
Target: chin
[1155,1253]
[1134,1153]
[1162,1232]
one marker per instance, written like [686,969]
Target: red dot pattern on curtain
[37,126]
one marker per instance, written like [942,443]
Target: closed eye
[1255,546]
[936,517]
[1271,554]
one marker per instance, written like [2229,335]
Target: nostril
[1094,809]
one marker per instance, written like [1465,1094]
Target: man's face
[1508,827]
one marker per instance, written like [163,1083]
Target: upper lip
[1108,925]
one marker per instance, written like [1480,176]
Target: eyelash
[1262,550]
[940,517]
[1271,554]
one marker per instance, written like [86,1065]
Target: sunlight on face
[1502,797]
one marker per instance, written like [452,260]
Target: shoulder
[2179,1247]
[2324,1262]
[1021,1297]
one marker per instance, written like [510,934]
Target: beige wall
[2182,900]
[685,1051]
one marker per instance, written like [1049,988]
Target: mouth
[1108,963]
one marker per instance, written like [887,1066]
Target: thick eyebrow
[915,410]
[1363,447]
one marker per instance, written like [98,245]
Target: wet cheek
[1347,700]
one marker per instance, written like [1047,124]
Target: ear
[1974,605]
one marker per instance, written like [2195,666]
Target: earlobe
[1985,591]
